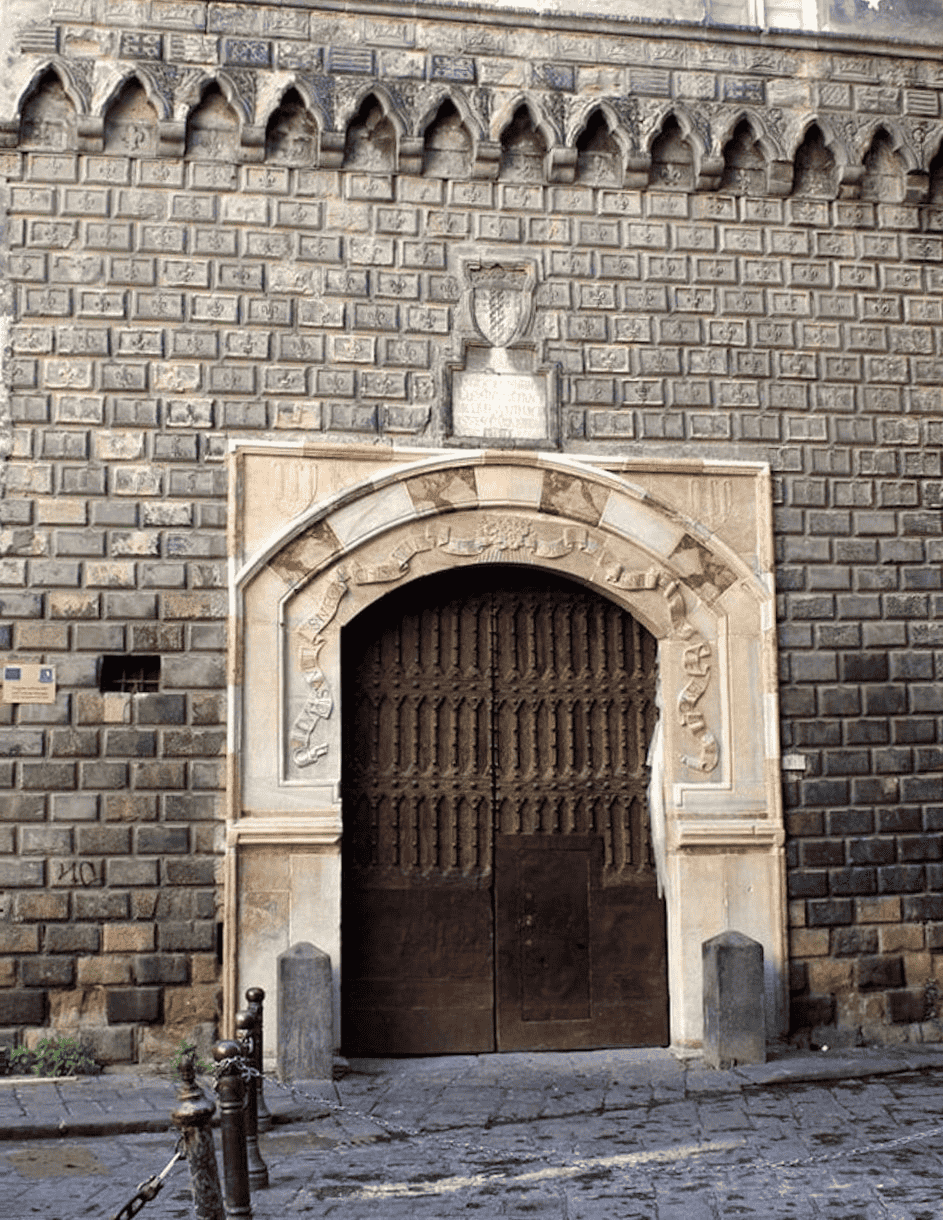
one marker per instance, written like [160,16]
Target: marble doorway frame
[317,533]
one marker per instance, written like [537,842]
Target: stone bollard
[232,1124]
[247,1033]
[305,1014]
[734,1001]
[254,999]
[192,1119]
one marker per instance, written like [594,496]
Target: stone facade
[685,547]
[243,224]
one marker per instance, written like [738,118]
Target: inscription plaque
[496,396]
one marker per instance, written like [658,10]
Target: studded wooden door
[498,887]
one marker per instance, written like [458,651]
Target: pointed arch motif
[673,155]
[295,82]
[216,138]
[373,135]
[899,141]
[810,176]
[434,102]
[695,131]
[351,106]
[157,94]
[503,118]
[67,80]
[614,120]
[691,129]
[291,131]
[835,141]
[884,168]
[597,164]
[773,148]
[49,111]
[442,155]
[239,86]
[525,147]
[746,164]
[136,135]
[236,85]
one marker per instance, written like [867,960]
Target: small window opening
[130,674]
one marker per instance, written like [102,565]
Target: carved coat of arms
[501,301]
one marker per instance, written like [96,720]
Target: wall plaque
[497,396]
[29,684]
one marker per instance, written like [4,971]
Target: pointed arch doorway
[498,887]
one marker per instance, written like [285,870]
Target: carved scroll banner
[493,542]
[697,667]
[400,559]
[318,707]
[497,539]
[500,539]
[319,704]
[696,661]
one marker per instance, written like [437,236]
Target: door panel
[580,964]
[630,993]
[542,939]
[498,713]
[423,982]
[553,900]
[416,915]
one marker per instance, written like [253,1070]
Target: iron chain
[148,1190]
[393,1129]
[820,1158]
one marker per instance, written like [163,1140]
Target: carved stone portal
[685,547]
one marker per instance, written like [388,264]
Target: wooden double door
[498,885]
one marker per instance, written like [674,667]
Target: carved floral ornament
[509,540]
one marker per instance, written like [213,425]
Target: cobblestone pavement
[571,1139]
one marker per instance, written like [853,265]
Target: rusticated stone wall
[239,220]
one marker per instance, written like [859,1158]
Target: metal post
[254,998]
[247,1033]
[232,1122]
[192,1119]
